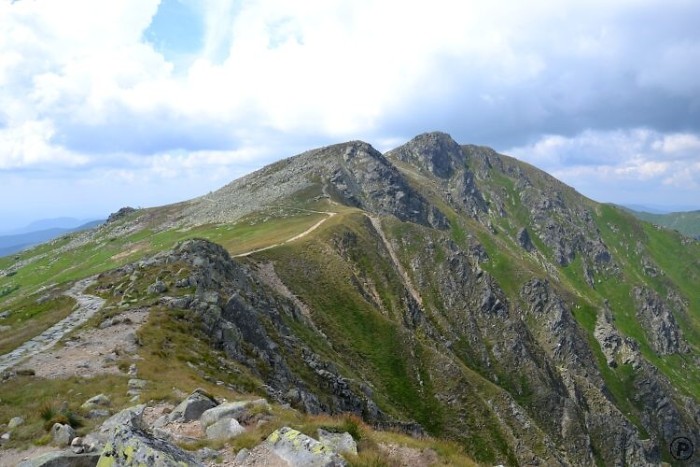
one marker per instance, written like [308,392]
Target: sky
[109,103]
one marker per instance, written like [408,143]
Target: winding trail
[87,305]
[294,238]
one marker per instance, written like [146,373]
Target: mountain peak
[435,152]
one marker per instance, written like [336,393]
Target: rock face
[659,323]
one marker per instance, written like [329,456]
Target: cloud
[582,85]
[631,165]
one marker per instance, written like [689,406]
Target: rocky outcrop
[438,155]
[617,349]
[658,322]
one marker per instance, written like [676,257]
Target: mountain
[16,242]
[687,223]
[438,289]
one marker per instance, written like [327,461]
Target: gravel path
[294,238]
[86,306]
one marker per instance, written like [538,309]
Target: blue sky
[146,102]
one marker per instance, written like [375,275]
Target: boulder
[130,417]
[14,423]
[297,449]
[99,400]
[157,287]
[62,459]
[62,434]
[193,407]
[129,446]
[338,442]
[135,386]
[226,428]
[229,410]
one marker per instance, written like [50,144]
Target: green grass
[29,319]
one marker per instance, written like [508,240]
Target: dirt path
[296,237]
[87,305]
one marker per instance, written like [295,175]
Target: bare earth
[90,352]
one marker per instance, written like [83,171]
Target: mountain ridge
[455,289]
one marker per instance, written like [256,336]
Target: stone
[4,314]
[129,446]
[206,454]
[15,422]
[62,434]
[524,239]
[193,407]
[136,386]
[132,417]
[77,445]
[157,287]
[242,455]
[99,400]
[297,449]
[229,410]
[62,459]
[4,438]
[98,413]
[339,442]
[226,428]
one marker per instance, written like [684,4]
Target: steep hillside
[437,289]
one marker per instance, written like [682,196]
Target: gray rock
[524,239]
[226,428]
[242,455]
[206,454]
[229,410]
[338,442]
[99,400]
[157,287]
[300,450]
[4,438]
[77,445]
[15,422]
[132,417]
[62,434]
[98,413]
[133,446]
[193,407]
[4,314]
[62,459]
[135,387]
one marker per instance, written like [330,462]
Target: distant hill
[687,223]
[17,242]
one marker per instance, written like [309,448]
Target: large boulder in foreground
[297,449]
[129,446]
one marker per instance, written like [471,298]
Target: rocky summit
[439,304]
